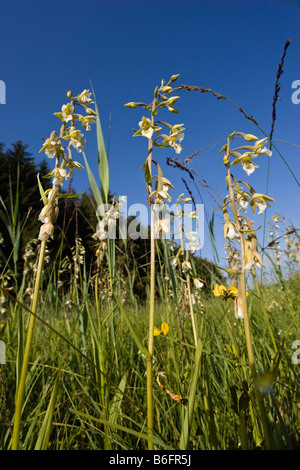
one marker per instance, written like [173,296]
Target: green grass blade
[103,167]
[185,433]
[116,402]
[94,187]
[170,269]
[44,434]
[42,192]
[135,335]
[138,434]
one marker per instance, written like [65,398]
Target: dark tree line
[21,204]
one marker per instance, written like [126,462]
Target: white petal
[248,167]
[147,133]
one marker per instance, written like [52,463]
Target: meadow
[204,359]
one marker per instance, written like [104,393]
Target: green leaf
[160,177]
[116,401]
[134,333]
[4,217]
[69,196]
[94,187]
[138,434]
[42,192]
[44,434]
[103,167]
[188,418]
[229,271]
[147,173]
[234,399]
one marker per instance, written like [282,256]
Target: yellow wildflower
[233,291]
[165,328]
[224,293]
[219,291]
[156,331]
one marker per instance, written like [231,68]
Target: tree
[20,199]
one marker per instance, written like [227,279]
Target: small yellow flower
[219,291]
[233,291]
[224,293]
[165,328]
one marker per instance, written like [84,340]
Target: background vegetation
[86,383]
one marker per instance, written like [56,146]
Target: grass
[71,404]
[94,374]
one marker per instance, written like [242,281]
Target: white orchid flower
[84,96]
[147,132]
[249,167]
[49,147]
[177,147]
[198,284]
[229,230]
[186,266]
[47,213]
[59,175]
[67,112]
[46,231]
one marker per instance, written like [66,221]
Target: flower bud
[131,105]
[171,101]
[198,284]
[249,137]
[46,231]
[174,77]
[47,213]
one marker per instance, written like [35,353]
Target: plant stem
[21,387]
[152,304]
[151,336]
[242,293]
[188,280]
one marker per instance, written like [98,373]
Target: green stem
[242,293]
[21,387]
[100,344]
[188,280]
[152,304]
[151,336]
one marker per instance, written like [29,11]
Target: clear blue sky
[125,49]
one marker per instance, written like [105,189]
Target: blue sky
[125,49]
